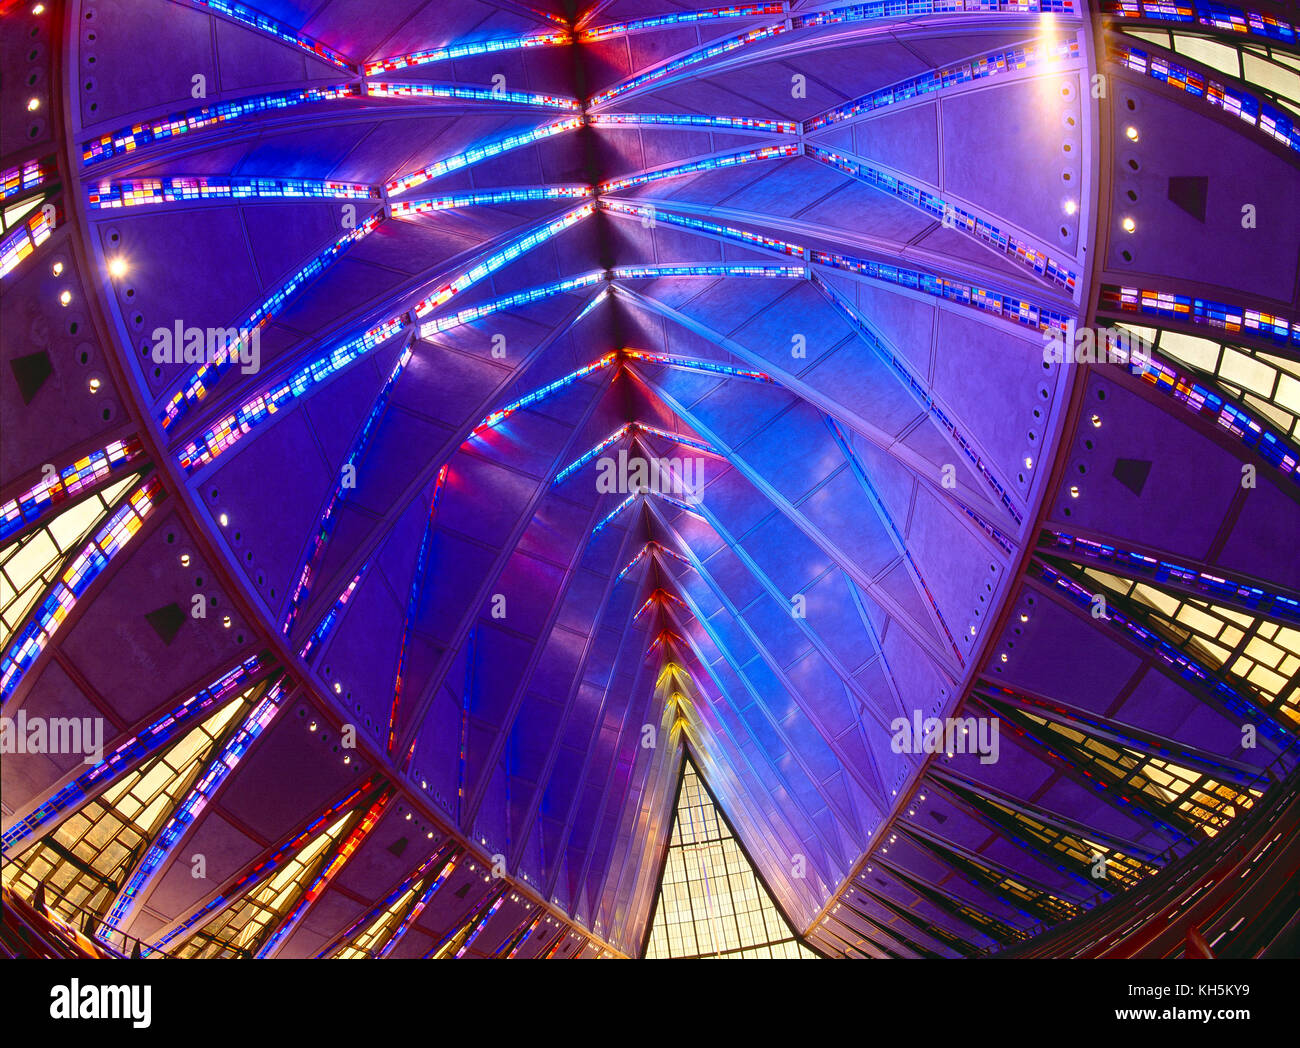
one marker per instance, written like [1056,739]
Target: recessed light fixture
[33,104]
[1129,225]
[117,267]
[1131,133]
[65,298]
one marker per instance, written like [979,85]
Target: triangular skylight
[711,903]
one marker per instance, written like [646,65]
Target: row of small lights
[409,814]
[34,103]
[347,757]
[1127,223]
[1024,617]
[1096,424]
[892,837]
[116,266]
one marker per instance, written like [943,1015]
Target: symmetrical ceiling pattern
[336,337]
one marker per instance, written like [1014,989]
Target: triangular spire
[711,902]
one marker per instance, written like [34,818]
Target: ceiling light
[1131,133]
[65,298]
[1096,421]
[39,9]
[1071,207]
[224,520]
[94,385]
[117,267]
[33,104]
[1129,225]
[57,268]
[1074,493]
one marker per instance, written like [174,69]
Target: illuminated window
[1272,70]
[1194,799]
[85,860]
[910,917]
[240,929]
[463,938]
[1081,853]
[1046,907]
[1263,381]
[994,929]
[30,565]
[15,214]
[367,943]
[711,902]
[382,931]
[1262,656]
